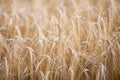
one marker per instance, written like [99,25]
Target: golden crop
[59,40]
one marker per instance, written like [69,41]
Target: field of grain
[59,39]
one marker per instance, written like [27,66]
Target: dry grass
[59,40]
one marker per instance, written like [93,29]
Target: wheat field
[59,39]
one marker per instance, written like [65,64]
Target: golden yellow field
[59,39]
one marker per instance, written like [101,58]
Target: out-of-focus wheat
[59,40]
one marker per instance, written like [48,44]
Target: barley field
[59,39]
